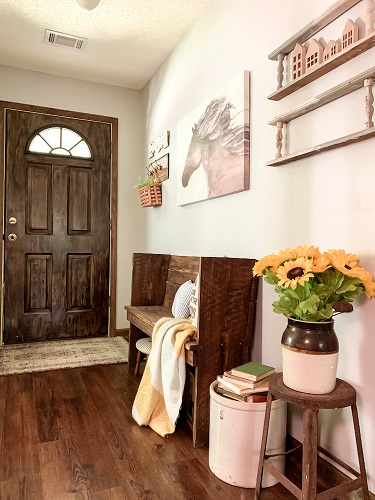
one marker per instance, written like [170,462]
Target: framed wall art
[213,145]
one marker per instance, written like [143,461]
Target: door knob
[12,237]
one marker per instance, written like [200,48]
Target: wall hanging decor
[213,145]
[159,168]
[155,147]
[149,192]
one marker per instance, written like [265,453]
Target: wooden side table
[343,395]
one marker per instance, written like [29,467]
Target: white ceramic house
[314,54]
[350,34]
[298,61]
[331,50]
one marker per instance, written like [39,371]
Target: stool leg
[310,453]
[262,452]
[361,460]
[134,335]
[137,363]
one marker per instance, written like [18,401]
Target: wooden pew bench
[226,320]
[155,281]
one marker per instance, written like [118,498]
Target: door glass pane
[52,136]
[60,151]
[81,150]
[69,138]
[39,145]
[59,141]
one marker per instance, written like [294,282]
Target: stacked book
[248,382]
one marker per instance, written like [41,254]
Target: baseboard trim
[122,332]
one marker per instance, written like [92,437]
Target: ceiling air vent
[64,40]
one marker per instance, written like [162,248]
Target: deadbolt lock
[12,220]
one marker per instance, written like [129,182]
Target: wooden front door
[56,228]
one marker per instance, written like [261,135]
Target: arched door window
[59,141]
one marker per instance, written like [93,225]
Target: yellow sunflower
[369,285]
[287,254]
[365,277]
[305,251]
[295,271]
[281,257]
[341,260]
[321,264]
[263,263]
[294,253]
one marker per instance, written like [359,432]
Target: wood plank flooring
[69,434]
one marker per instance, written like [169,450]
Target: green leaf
[320,289]
[298,293]
[310,304]
[350,285]
[270,277]
[332,278]
[346,288]
[285,306]
[320,315]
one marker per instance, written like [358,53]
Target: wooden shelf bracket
[369,102]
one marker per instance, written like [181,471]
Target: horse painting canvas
[213,145]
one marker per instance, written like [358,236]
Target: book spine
[229,385]
[246,384]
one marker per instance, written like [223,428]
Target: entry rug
[56,354]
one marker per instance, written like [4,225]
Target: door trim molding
[113,122]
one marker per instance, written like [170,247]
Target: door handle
[12,237]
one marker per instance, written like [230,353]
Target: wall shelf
[344,88]
[327,146]
[354,50]
[335,11]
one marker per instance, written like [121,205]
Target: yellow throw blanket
[159,397]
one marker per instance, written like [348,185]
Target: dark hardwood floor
[69,434]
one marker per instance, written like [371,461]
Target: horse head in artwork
[219,148]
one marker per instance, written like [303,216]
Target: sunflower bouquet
[313,286]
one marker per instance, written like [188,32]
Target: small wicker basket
[150,195]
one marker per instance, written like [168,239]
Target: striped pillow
[181,302]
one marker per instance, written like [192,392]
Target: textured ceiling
[128,39]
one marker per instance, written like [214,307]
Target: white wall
[65,93]
[325,201]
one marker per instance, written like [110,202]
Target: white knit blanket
[159,397]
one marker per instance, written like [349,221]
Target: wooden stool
[343,395]
[144,347]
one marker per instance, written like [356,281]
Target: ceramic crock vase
[310,353]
